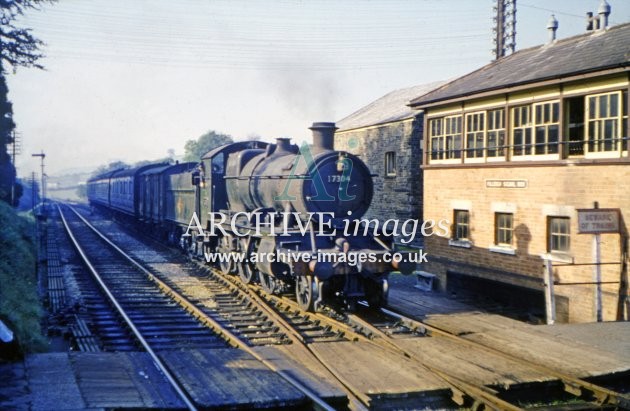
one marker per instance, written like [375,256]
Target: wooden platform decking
[216,379]
[581,350]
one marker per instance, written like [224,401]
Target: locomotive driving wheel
[268,283]
[306,292]
[227,265]
[247,273]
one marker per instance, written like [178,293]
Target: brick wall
[394,197]
[550,190]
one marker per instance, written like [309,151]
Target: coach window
[390,164]
[558,235]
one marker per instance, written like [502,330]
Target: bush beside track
[20,307]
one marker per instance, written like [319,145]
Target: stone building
[512,151]
[387,135]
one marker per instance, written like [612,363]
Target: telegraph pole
[15,150]
[42,156]
[504,28]
[33,193]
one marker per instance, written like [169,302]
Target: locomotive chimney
[283,145]
[324,135]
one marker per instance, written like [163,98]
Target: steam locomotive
[284,216]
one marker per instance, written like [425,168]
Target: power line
[551,10]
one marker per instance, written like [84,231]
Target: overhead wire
[159,38]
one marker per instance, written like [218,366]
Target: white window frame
[444,156]
[500,127]
[477,132]
[618,119]
[534,122]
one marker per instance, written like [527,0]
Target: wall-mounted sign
[598,220]
[506,183]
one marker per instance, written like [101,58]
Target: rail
[158,362]
[460,389]
[572,385]
[195,311]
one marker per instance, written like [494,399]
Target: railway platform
[216,379]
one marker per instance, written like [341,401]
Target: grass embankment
[20,308]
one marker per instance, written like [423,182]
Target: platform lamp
[42,156]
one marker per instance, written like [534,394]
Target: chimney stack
[603,11]
[599,22]
[552,26]
[324,135]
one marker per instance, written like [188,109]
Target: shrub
[20,307]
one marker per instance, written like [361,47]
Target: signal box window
[504,229]
[535,129]
[496,133]
[453,136]
[390,164]
[558,234]
[546,119]
[445,135]
[522,118]
[475,134]
[575,125]
[462,225]
[605,117]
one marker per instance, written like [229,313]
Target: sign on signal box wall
[598,220]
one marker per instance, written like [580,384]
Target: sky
[128,80]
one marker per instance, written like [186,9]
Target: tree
[18,48]
[194,150]
[7,170]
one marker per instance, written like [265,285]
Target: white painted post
[550,304]
[597,276]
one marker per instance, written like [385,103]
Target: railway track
[385,329]
[381,333]
[596,394]
[137,294]
[165,325]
